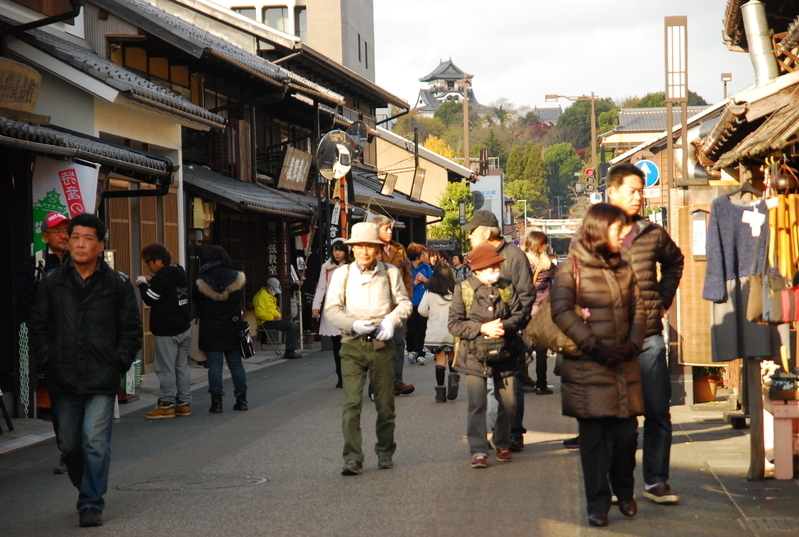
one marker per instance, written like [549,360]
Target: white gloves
[385,331]
[363,328]
[141,279]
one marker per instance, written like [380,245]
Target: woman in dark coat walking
[602,386]
[218,298]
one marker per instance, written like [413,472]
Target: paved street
[274,470]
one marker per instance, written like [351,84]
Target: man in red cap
[56,240]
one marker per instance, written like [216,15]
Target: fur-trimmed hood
[218,282]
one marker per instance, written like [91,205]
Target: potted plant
[706,383]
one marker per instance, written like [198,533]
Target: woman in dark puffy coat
[487,307]
[602,386]
[535,247]
[218,298]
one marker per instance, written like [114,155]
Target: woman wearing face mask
[486,314]
[340,257]
[602,386]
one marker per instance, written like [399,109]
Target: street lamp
[551,98]
[524,216]
[726,77]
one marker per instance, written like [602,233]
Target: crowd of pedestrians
[383,304]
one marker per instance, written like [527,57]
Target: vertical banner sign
[272,243]
[63,187]
[71,188]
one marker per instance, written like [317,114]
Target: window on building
[301,23]
[366,54]
[359,47]
[247,11]
[276,17]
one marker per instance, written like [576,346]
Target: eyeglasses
[369,247]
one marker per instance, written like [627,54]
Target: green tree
[560,162]
[450,113]
[428,126]
[574,125]
[658,99]
[449,227]
[496,148]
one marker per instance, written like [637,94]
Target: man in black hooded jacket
[167,294]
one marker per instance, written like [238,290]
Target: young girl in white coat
[438,341]
[340,257]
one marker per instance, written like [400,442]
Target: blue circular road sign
[651,172]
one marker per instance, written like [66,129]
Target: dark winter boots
[216,404]
[241,403]
[441,394]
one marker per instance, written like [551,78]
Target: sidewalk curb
[43,430]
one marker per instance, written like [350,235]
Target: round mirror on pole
[358,133]
[333,156]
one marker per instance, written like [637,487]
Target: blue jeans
[84,438]
[656,384]
[237,372]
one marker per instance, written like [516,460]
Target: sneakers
[661,493]
[352,467]
[292,355]
[91,516]
[183,410]
[543,391]
[504,455]
[516,444]
[479,461]
[384,462]
[527,388]
[162,411]
[400,388]
[452,386]
[412,357]
[420,360]
[572,443]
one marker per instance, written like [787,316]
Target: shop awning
[61,143]
[367,193]
[243,196]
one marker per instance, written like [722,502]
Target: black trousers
[414,335]
[607,455]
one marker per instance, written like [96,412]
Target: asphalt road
[274,470]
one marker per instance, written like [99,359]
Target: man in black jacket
[85,330]
[658,263]
[167,294]
[484,228]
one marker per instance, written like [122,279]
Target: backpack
[484,349]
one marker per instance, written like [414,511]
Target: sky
[523,49]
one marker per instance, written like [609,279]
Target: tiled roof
[245,196]
[197,41]
[50,140]
[650,119]
[118,77]
[179,28]
[549,114]
[446,70]
[367,192]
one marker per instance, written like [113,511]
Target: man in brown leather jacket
[394,253]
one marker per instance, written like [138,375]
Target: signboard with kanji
[296,166]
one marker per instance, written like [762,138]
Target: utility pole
[465,90]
